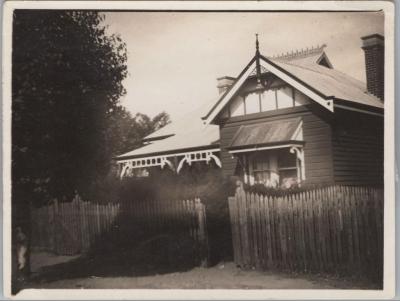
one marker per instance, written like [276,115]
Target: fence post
[243,219]
[98,230]
[202,233]
[52,233]
[235,234]
[56,227]
[81,219]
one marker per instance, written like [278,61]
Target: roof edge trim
[253,148]
[223,96]
[173,153]
[358,110]
[155,138]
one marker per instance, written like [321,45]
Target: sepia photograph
[241,148]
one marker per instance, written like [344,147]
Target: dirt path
[226,276]
[40,260]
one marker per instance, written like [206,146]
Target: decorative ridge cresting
[295,54]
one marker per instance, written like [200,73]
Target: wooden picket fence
[333,229]
[68,228]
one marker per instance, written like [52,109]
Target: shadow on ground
[159,255]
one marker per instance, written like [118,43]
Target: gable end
[325,101]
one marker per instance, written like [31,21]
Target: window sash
[280,97]
[285,97]
[237,108]
[252,103]
[261,171]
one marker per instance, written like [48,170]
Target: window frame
[243,98]
[270,156]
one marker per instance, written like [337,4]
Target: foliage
[271,191]
[199,180]
[126,132]
[66,83]
[163,184]
[67,123]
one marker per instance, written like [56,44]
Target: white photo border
[173,294]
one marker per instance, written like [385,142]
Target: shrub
[270,191]
[198,181]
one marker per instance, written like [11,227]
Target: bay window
[274,168]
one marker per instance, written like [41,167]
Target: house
[284,120]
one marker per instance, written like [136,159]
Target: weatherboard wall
[357,141]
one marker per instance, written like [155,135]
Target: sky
[174,59]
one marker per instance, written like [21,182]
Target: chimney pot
[374,50]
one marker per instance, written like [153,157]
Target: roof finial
[260,84]
[257,45]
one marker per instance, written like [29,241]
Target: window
[252,103]
[268,100]
[274,168]
[285,97]
[300,99]
[288,168]
[237,107]
[261,168]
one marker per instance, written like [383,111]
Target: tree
[66,83]
[67,123]
[126,133]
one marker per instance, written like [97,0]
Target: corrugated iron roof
[192,119]
[265,133]
[330,82]
[189,132]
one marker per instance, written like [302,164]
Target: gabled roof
[311,73]
[331,82]
[187,133]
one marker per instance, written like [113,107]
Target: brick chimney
[374,49]
[224,83]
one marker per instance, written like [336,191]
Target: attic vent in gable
[324,63]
